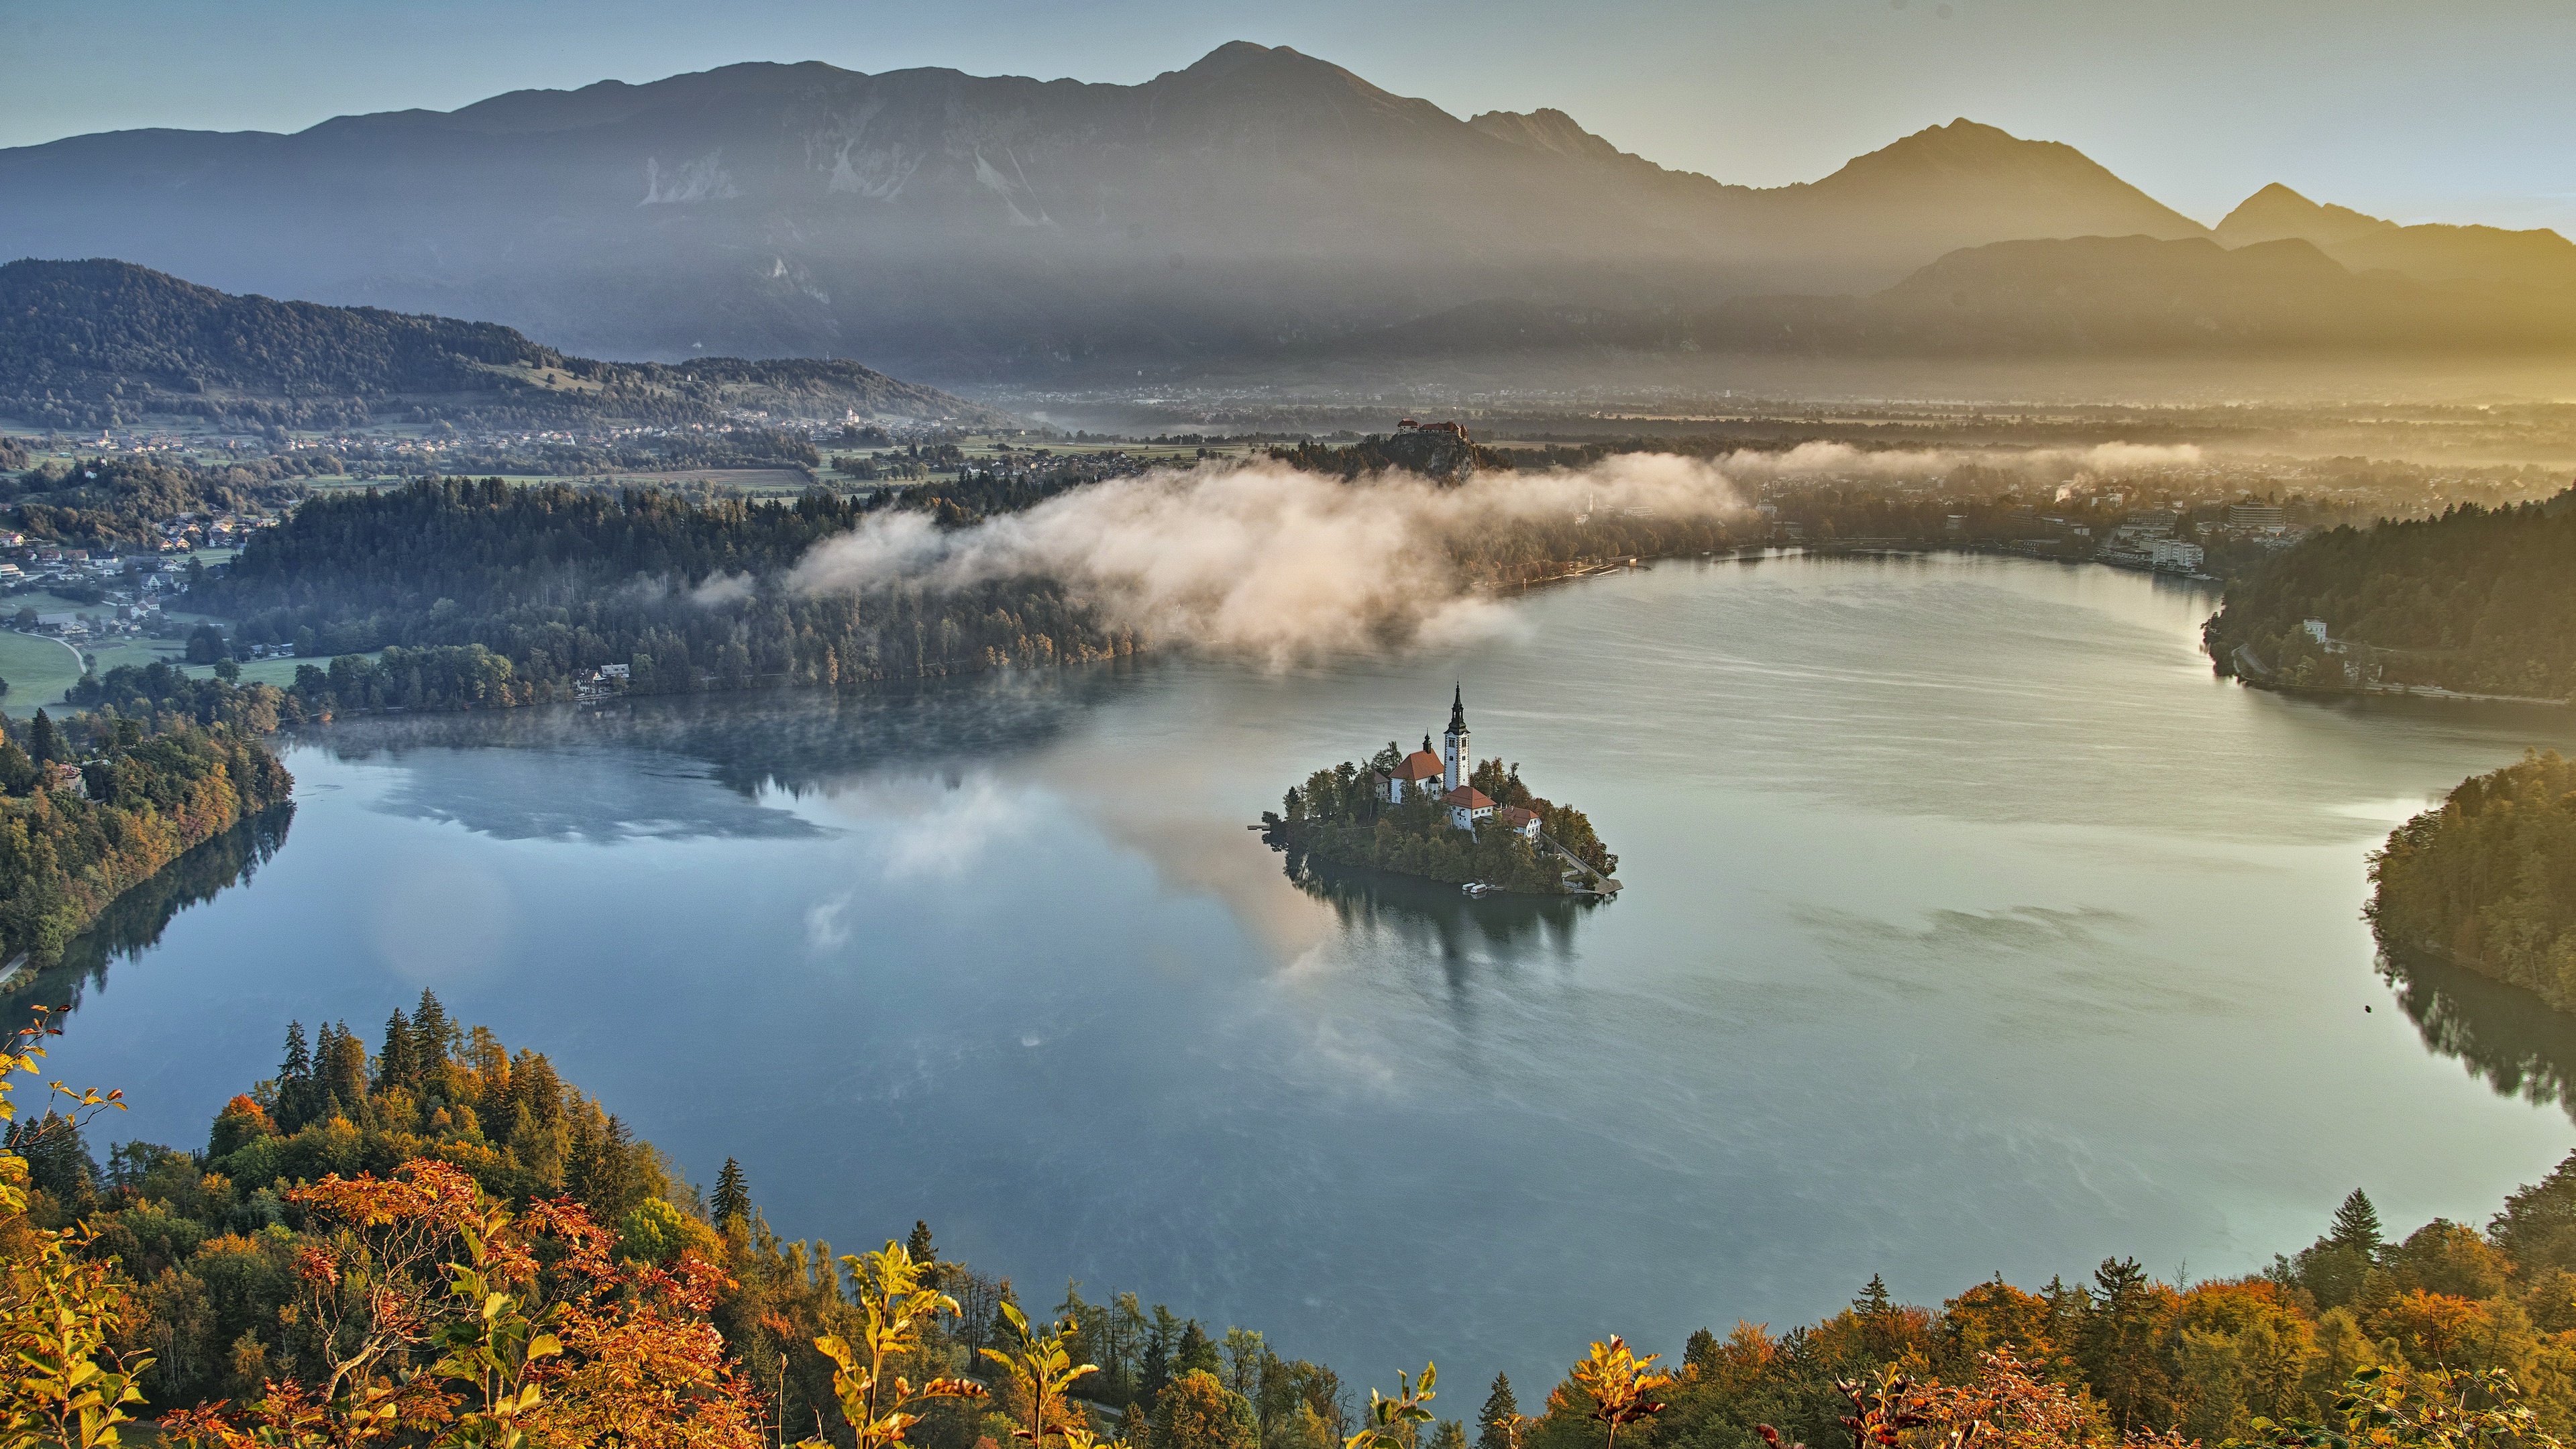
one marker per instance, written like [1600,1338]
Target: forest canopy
[2479,600]
[102,343]
[296,1279]
[97,804]
[2487,880]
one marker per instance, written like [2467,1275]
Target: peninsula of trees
[98,803]
[2477,600]
[2488,879]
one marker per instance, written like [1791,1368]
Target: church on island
[1445,776]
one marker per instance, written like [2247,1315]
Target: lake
[1971,927]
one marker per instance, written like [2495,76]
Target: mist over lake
[1971,926]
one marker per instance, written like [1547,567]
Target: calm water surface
[1972,927]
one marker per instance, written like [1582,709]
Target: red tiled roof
[1420,765]
[1514,816]
[1469,796]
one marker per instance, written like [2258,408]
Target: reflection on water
[624,771]
[2503,1034]
[1971,926]
[1438,918]
[132,923]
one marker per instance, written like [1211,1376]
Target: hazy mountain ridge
[2135,295]
[2430,252]
[1257,205]
[1259,201]
[91,343]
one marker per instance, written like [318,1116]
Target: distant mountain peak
[1231,56]
[1978,175]
[1965,145]
[2276,212]
[1546,129]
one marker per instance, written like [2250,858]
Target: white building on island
[1445,775]
[1417,773]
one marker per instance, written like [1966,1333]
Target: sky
[2422,112]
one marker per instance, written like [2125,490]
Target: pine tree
[294,1081]
[398,1065]
[46,744]
[1158,1350]
[340,1067]
[432,1034]
[1197,1354]
[1874,1301]
[1450,1435]
[2356,1224]
[733,1196]
[1497,1424]
[919,1244]
[615,1189]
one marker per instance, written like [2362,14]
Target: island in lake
[1436,815]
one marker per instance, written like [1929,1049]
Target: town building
[2174,555]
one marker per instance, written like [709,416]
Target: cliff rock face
[1446,457]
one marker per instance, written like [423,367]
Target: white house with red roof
[1416,774]
[1467,805]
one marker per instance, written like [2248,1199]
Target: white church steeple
[1455,756]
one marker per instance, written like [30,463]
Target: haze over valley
[1427,754]
[1258,211]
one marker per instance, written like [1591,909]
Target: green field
[38,670]
[133,651]
[280,672]
[44,603]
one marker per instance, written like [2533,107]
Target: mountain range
[100,343]
[1258,204]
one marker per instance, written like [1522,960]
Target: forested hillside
[2488,880]
[121,500]
[554,581]
[2482,600]
[97,804]
[290,1280]
[102,343]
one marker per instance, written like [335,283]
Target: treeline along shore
[422,1237]
[478,594]
[2475,600]
[2487,879]
[96,804]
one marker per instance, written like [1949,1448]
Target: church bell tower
[1460,764]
